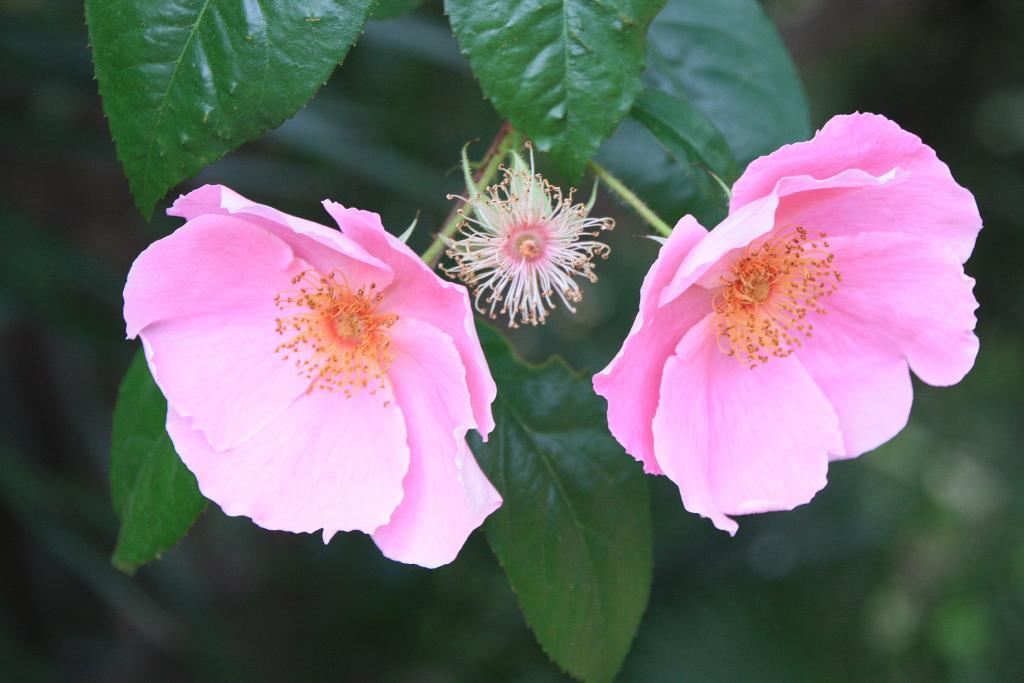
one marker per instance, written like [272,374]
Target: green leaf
[155,495]
[186,81]
[688,137]
[574,533]
[726,59]
[564,72]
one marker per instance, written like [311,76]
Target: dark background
[909,566]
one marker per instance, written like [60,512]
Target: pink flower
[782,339]
[316,379]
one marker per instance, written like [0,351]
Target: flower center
[349,327]
[762,307]
[338,339]
[528,246]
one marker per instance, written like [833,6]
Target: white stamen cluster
[520,245]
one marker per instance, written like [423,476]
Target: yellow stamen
[338,339]
[762,308]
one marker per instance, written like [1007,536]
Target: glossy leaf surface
[154,494]
[564,72]
[574,533]
[186,81]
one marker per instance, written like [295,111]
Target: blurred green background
[909,566]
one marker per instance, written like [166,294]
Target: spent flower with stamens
[523,244]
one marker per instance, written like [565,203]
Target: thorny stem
[503,141]
[630,198]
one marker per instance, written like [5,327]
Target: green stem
[630,198]
[503,141]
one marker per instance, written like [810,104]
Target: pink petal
[929,204]
[738,441]
[631,380]
[199,269]
[867,384]
[325,248]
[908,295]
[203,301]
[327,462]
[759,217]
[419,293]
[446,494]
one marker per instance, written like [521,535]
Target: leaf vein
[170,84]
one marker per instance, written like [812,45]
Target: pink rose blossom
[783,339]
[316,379]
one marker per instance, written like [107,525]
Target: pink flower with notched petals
[316,379]
[783,339]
